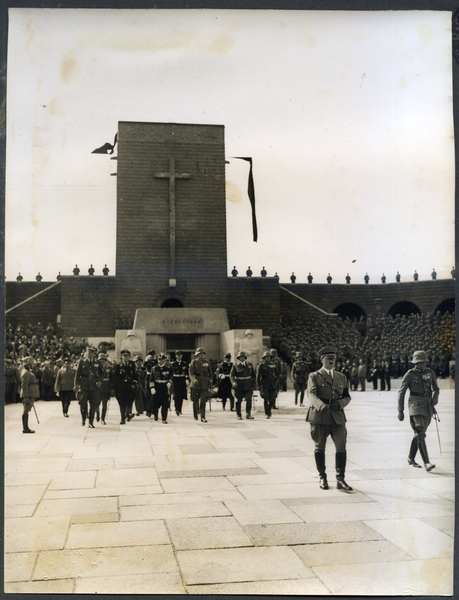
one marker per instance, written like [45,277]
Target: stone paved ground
[227,507]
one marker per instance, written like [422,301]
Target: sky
[346,115]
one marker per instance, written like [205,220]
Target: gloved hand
[401,415]
[335,405]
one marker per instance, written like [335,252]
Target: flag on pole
[251,193]
[107,148]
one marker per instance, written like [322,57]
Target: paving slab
[21,510]
[349,553]
[206,532]
[211,473]
[105,562]
[75,480]
[29,534]
[95,518]
[290,534]
[241,564]
[261,512]
[101,492]
[127,478]
[89,535]
[196,484]
[181,498]
[19,566]
[98,464]
[149,512]
[63,586]
[76,506]
[23,494]
[170,583]
[404,578]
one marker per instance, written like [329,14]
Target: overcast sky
[347,115]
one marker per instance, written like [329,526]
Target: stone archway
[448,305]
[351,310]
[403,308]
[172,303]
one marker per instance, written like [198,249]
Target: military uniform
[300,374]
[224,385]
[160,377]
[268,383]
[242,378]
[65,380]
[328,395]
[125,385]
[424,392]
[106,384]
[179,378]
[200,373]
[87,384]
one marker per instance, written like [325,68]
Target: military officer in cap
[200,373]
[424,392]
[161,378]
[224,383]
[300,374]
[105,384]
[124,385]
[179,378]
[65,380]
[87,385]
[268,382]
[242,378]
[328,395]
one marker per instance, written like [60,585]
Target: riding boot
[425,455]
[340,464]
[25,424]
[320,464]
[83,414]
[413,452]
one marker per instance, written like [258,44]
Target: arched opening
[172,303]
[448,305]
[351,310]
[403,308]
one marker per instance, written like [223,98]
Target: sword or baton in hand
[36,413]
[437,420]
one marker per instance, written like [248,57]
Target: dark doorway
[448,305]
[351,310]
[403,308]
[184,342]
[172,303]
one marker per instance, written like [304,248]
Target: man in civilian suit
[328,395]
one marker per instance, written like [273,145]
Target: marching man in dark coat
[300,373]
[160,384]
[200,373]
[87,385]
[328,395]
[424,392]
[224,383]
[125,385]
[267,382]
[242,378]
[179,379]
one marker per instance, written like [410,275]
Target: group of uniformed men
[95,381]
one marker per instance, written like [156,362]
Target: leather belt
[161,380]
[179,375]
[243,377]
[419,395]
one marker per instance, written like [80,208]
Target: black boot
[83,415]
[412,454]
[425,455]
[25,424]
[340,463]
[320,464]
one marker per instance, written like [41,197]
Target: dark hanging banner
[251,193]
[107,148]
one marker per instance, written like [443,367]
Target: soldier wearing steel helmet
[242,378]
[328,394]
[200,373]
[424,392]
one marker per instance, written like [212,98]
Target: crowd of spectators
[381,339]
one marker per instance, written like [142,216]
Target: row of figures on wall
[76,272]
[398,277]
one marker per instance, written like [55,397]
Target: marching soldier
[267,382]
[328,395]
[160,381]
[124,385]
[105,384]
[200,373]
[300,374]
[224,385]
[424,392]
[179,379]
[65,380]
[87,385]
[242,378]
[277,362]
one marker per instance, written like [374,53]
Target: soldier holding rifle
[424,391]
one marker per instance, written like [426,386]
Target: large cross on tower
[172,176]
